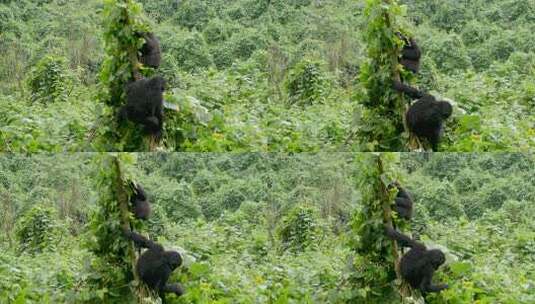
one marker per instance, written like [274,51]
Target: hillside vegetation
[268,228]
[279,75]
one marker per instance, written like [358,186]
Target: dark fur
[403,202]
[155,265]
[410,54]
[140,203]
[150,51]
[145,104]
[419,264]
[425,117]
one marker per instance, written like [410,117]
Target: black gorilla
[425,117]
[150,51]
[403,202]
[140,202]
[410,54]
[155,265]
[418,265]
[145,104]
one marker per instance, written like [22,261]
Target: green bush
[300,229]
[306,83]
[448,52]
[193,14]
[38,229]
[190,52]
[49,80]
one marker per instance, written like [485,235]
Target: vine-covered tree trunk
[384,110]
[385,198]
[376,256]
[115,256]
[142,293]
[122,202]
[124,23]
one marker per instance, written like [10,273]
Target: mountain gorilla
[145,104]
[140,202]
[150,51]
[410,54]
[419,264]
[155,265]
[425,117]
[403,201]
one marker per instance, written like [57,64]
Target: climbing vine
[375,257]
[123,24]
[115,255]
[383,108]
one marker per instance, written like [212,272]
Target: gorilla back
[425,118]
[140,202]
[419,264]
[145,104]
[410,55]
[403,201]
[155,265]
[150,51]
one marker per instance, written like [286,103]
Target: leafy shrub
[245,42]
[299,229]
[448,52]
[189,51]
[217,31]
[38,229]
[193,14]
[306,82]
[49,81]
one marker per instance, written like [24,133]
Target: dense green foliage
[383,109]
[225,212]
[373,253]
[38,229]
[274,75]
[110,250]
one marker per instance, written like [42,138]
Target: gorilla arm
[174,288]
[402,239]
[142,241]
[408,90]
[426,285]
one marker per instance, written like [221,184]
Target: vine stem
[151,140]
[387,214]
[405,290]
[143,294]
[122,201]
[413,142]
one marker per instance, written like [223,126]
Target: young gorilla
[403,201]
[140,202]
[150,51]
[155,265]
[145,104]
[418,265]
[425,117]
[410,54]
